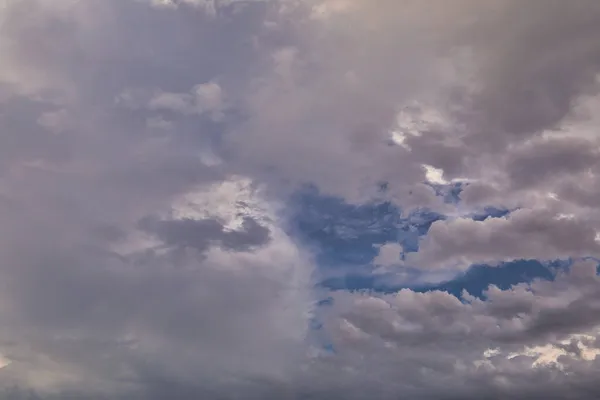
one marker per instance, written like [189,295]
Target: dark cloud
[541,55]
[201,234]
[543,160]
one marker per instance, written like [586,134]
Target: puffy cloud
[436,346]
[97,302]
[524,234]
[113,310]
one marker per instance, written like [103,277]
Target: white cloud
[205,98]
[389,255]
[434,175]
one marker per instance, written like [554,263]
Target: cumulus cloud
[434,345]
[149,148]
[524,234]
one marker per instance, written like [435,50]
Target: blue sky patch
[346,239]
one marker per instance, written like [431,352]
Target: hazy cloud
[147,154]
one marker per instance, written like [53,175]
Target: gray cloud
[541,64]
[435,346]
[543,160]
[116,110]
[201,234]
[524,234]
[90,309]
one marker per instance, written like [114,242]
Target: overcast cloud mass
[183,181]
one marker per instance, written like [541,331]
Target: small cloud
[55,121]
[177,102]
[203,99]
[389,255]
[434,175]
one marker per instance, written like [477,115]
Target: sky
[299,199]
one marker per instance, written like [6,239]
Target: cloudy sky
[299,199]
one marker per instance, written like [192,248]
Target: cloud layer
[150,151]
